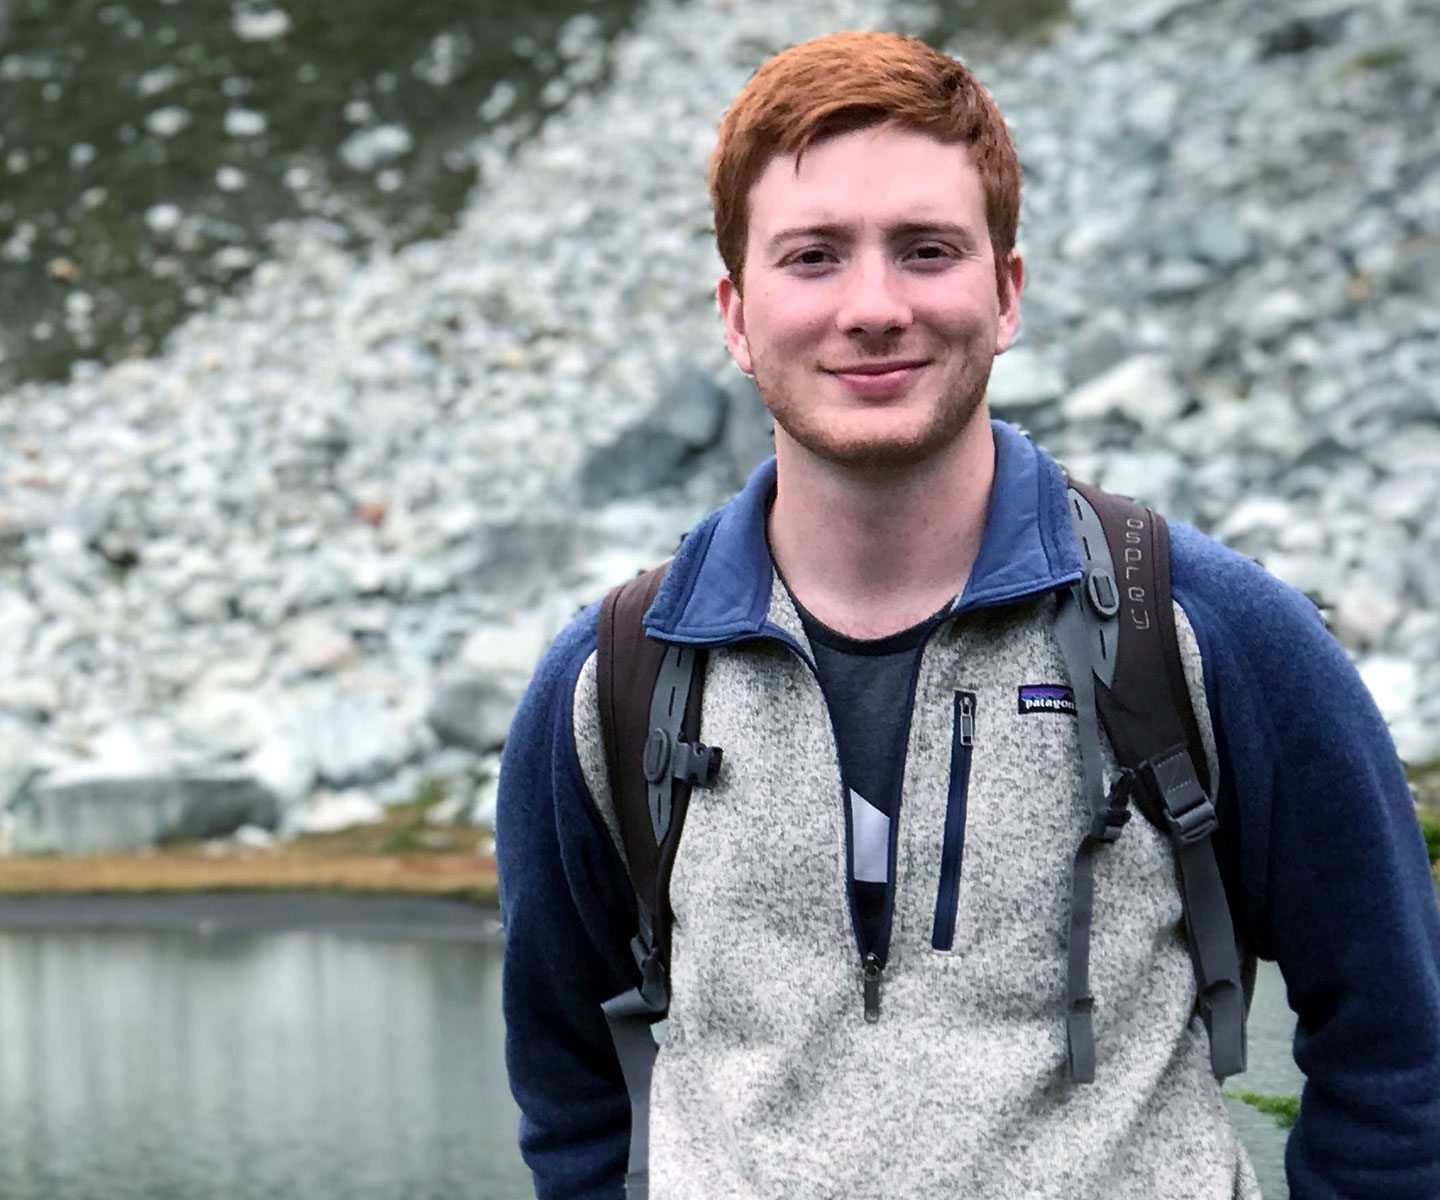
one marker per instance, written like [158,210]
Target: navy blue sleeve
[568,911]
[1332,876]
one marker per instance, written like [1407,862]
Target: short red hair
[848,81]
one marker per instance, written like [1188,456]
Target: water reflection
[165,1065]
[174,1064]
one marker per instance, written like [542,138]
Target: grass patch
[1285,1109]
[193,869]
[1424,780]
[401,854]
[1430,827]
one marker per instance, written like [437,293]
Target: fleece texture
[770,1082]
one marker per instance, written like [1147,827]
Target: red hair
[848,81]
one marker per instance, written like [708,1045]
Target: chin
[894,450]
[879,440]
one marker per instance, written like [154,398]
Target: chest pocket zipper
[962,747]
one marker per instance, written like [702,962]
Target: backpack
[1116,631]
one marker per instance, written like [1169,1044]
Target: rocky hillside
[304,558]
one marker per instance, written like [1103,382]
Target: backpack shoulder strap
[1117,631]
[650,699]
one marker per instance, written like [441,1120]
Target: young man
[873,602]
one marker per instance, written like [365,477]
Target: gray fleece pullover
[770,1083]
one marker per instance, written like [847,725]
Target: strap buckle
[653,985]
[1189,813]
[1106,825]
[697,764]
[689,762]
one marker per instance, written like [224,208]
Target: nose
[874,303]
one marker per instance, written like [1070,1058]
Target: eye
[930,252]
[812,256]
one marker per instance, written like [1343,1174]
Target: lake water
[361,1058]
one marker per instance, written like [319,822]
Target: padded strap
[650,700]
[1136,680]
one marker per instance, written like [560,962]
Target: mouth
[878,378]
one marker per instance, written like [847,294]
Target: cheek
[788,318]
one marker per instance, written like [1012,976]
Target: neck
[870,553]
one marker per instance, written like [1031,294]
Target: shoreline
[381,916]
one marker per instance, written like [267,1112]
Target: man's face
[870,315]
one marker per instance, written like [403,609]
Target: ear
[1010,302]
[732,312]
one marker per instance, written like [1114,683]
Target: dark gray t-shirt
[869,685]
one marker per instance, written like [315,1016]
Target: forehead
[877,176]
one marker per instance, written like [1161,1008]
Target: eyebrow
[838,231]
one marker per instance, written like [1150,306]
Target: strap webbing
[650,698]
[1209,930]
[632,1018]
[1073,635]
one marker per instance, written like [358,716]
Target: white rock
[1365,613]
[163,219]
[228,721]
[1255,514]
[1393,682]
[253,837]
[1142,389]
[205,602]
[319,647]
[512,649]
[168,121]
[354,739]
[245,123]
[32,696]
[260,24]
[1021,379]
[366,149]
[486,795]
[283,765]
[330,812]
[1278,313]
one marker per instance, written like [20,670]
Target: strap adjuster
[697,764]
[1105,826]
[689,762]
[1188,810]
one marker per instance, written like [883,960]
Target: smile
[878,379]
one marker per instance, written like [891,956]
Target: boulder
[657,451]
[1021,381]
[1141,389]
[474,713]
[92,809]
[354,740]
[749,428]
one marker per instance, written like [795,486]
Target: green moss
[1285,1109]
[1430,827]
[1377,58]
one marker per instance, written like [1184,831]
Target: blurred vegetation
[1424,781]
[1430,827]
[969,25]
[1285,1109]
[108,109]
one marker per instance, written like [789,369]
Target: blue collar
[718,587]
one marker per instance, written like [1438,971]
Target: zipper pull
[967,719]
[871,974]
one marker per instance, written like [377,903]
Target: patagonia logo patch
[1046,698]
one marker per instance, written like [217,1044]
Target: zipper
[947,896]
[872,959]
[872,972]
